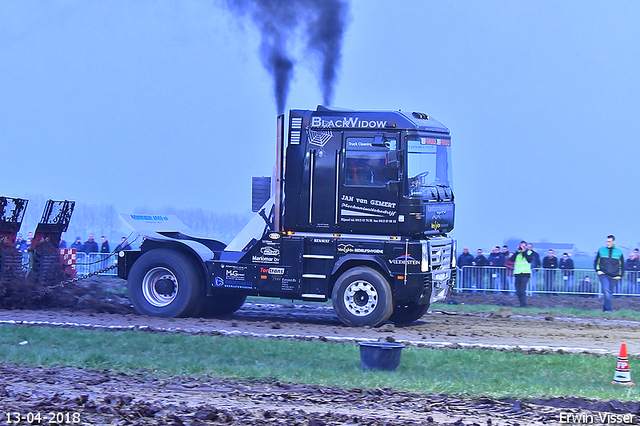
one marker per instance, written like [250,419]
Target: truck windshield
[429,166]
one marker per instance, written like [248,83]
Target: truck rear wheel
[408,312]
[222,304]
[362,296]
[165,283]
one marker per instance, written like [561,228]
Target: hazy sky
[156,103]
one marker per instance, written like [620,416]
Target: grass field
[463,372]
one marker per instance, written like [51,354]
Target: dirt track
[101,397]
[109,398]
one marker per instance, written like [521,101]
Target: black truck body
[361,207]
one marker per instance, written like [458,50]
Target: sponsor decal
[265,259]
[148,217]
[354,209]
[435,225]
[432,141]
[272,271]
[369,250]
[234,275]
[405,259]
[349,122]
[270,251]
[274,235]
[321,240]
[237,284]
[440,209]
[348,248]
[345,248]
[218,282]
[319,137]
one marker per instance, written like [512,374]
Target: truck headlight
[426,253]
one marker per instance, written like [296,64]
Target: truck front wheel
[362,296]
[165,283]
[408,312]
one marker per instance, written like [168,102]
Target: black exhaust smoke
[322,21]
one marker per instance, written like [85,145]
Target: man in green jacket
[522,271]
[609,265]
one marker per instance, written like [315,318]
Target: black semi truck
[361,206]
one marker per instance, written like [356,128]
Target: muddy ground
[102,397]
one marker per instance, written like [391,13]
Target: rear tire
[362,296]
[222,304]
[408,312]
[166,283]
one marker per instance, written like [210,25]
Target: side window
[365,163]
[366,168]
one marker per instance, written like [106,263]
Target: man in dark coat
[480,261]
[632,267]
[104,248]
[124,245]
[90,246]
[77,244]
[535,265]
[21,244]
[465,263]
[566,265]
[549,264]
[496,260]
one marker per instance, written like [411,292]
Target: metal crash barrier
[87,263]
[583,282]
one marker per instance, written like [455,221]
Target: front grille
[441,252]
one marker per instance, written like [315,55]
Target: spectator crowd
[549,275]
[89,246]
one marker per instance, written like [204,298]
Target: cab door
[368,190]
[323,172]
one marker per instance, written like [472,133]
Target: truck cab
[372,173]
[361,206]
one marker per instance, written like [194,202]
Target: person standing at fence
[632,267]
[586,287]
[77,244]
[124,245]
[549,265]
[535,265]
[506,255]
[90,246]
[480,260]
[509,265]
[496,262]
[522,271]
[465,261]
[21,244]
[104,248]
[609,265]
[566,265]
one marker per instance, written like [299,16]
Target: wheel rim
[360,298]
[160,287]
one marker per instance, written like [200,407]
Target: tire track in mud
[102,397]
[501,330]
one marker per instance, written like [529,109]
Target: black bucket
[380,355]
